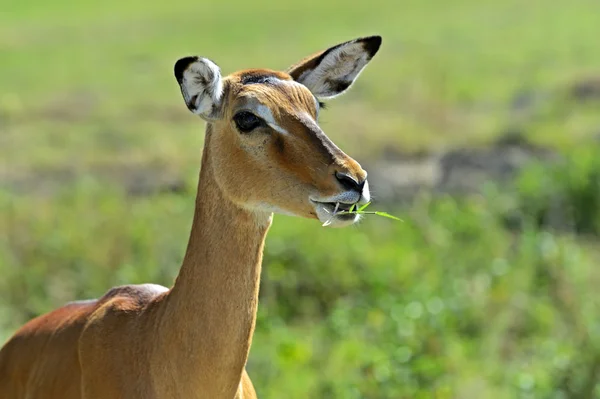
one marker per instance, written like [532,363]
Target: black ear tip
[372,44]
[181,65]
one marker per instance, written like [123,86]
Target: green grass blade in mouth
[387,215]
[360,211]
[362,208]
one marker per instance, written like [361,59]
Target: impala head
[265,145]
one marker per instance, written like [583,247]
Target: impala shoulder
[133,295]
[120,304]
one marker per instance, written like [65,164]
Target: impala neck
[211,311]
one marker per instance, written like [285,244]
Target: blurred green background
[483,292]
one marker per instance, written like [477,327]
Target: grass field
[457,301]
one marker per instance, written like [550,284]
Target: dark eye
[246,121]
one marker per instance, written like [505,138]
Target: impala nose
[349,182]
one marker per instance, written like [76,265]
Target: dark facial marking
[279,144]
[320,140]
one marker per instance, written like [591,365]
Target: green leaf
[387,215]
[362,208]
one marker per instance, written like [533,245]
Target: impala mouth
[335,207]
[335,214]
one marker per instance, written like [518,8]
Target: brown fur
[193,340]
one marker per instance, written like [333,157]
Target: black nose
[349,182]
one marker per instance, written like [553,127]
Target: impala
[264,153]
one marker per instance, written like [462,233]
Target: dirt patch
[586,89]
[460,171]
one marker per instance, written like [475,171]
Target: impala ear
[331,72]
[201,86]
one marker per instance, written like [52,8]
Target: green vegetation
[358,210]
[490,296]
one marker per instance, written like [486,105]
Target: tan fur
[193,340]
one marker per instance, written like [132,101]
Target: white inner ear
[337,71]
[202,87]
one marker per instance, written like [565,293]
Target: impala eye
[246,121]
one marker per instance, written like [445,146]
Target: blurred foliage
[488,296]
